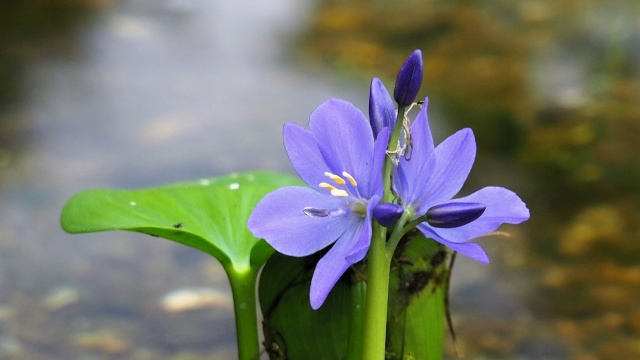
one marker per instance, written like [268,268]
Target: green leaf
[415,324]
[293,330]
[209,214]
[417,290]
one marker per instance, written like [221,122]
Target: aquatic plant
[366,241]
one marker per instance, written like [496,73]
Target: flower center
[355,206]
[338,181]
[358,208]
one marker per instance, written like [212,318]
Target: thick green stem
[399,231]
[243,287]
[377,296]
[378,266]
[416,222]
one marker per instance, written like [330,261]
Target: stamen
[350,178]
[324,185]
[337,192]
[313,212]
[337,179]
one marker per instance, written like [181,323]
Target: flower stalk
[379,263]
[375,321]
[243,288]
[391,149]
[369,177]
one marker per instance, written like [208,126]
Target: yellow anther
[337,179]
[324,185]
[350,178]
[337,192]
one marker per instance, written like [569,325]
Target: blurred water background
[139,93]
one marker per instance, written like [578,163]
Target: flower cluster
[341,158]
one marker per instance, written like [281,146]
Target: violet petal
[469,249]
[304,154]
[379,154]
[446,170]
[332,265]
[344,137]
[408,180]
[279,219]
[361,246]
[503,207]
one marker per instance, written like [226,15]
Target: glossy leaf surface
[293,330]
[417,290]
[208,214]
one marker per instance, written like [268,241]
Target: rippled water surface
[140,93]
[134,94]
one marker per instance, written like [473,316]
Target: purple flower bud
[454,214]
[381,109]
[387,214]
[409,80]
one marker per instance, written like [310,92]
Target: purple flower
[341,162]
[431,178]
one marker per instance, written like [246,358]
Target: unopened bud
[387,214]
[382,112]
[409,79]
[454,214]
